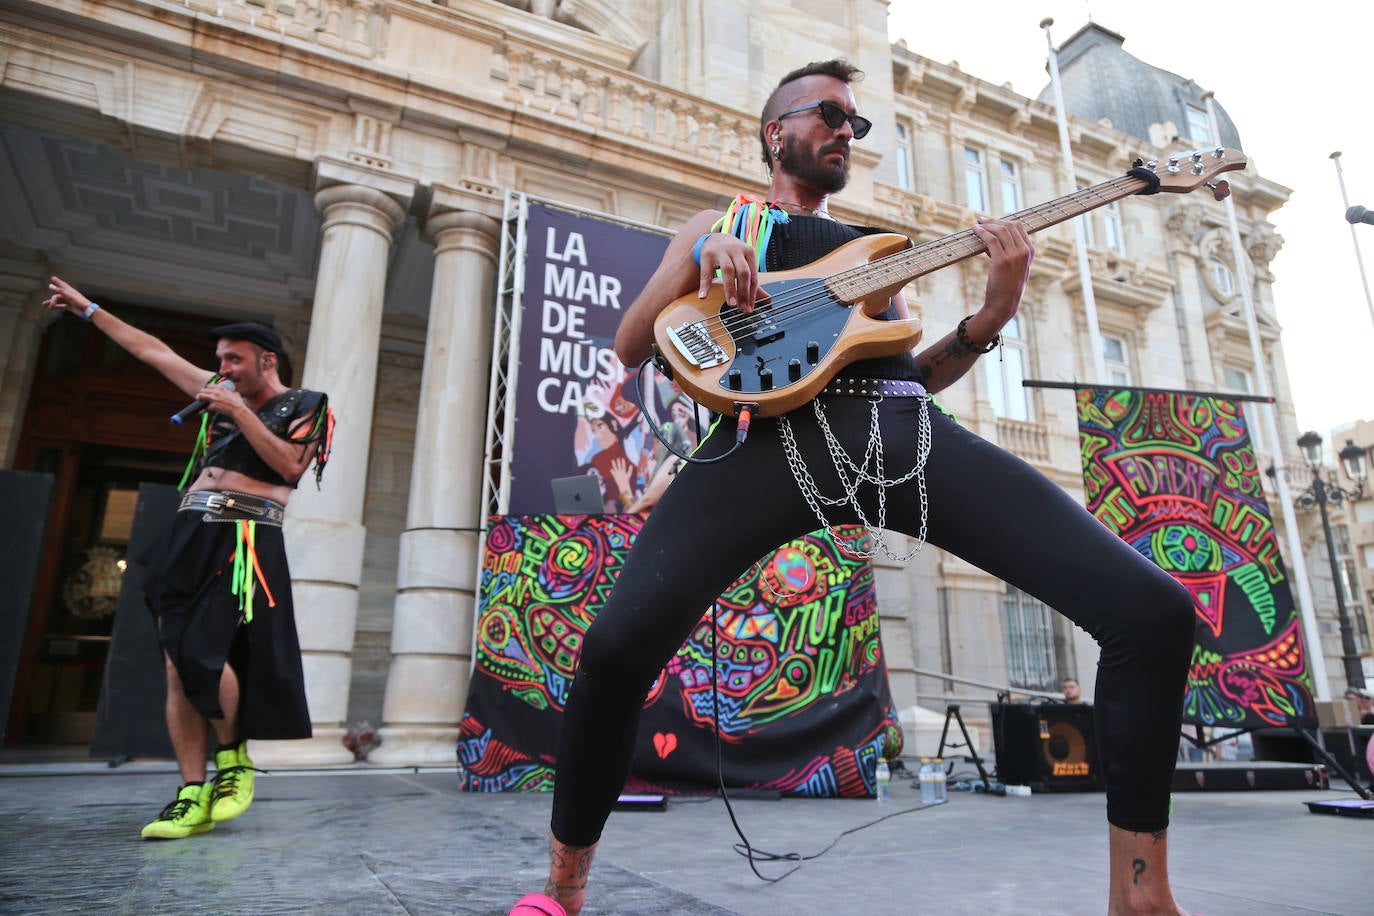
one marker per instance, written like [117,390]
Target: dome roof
[1100,79]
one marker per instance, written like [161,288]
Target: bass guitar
[821,317]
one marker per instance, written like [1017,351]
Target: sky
[1297,85]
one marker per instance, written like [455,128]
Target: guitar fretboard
[904,266]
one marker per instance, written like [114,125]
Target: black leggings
[984,505]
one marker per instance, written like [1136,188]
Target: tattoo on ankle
[1160,835]
[1138,865]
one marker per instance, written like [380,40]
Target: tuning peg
[1220,189]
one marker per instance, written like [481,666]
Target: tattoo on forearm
[951,352]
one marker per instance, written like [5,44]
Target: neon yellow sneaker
[189,814]
[232,791]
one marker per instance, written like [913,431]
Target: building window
[1199,126]
[1222,279]
[1350,583]
[1361,627]
[1029,628]
[904,169]
[1237,381]
[1085,223]
[1011,188]
[975,179]
[1006,373]
[1111,227]
[1116,360]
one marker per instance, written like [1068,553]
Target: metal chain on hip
[852,475]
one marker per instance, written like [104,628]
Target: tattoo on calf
[1138,866]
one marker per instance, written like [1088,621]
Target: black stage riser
[1222,777]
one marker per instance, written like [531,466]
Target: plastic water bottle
[883,778]
[926,777]
[940,781]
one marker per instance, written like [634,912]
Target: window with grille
[1028,625]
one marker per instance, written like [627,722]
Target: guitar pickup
[696,345]
[762,327]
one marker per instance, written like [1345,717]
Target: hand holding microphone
[197,406]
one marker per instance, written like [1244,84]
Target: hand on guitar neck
[788,332]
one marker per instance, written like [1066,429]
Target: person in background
[1072,692]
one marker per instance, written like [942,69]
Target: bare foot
[568,870]
[1139,874]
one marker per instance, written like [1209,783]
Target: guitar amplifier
[1047,746]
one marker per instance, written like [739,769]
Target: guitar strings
[816,293]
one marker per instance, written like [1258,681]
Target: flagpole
[1354,239]
[1080,242]
[1316,655]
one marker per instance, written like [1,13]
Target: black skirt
[201,626]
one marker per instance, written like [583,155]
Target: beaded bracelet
[696,249]
[967,342]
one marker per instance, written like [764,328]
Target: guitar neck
[904,266]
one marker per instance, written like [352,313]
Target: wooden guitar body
[781,356]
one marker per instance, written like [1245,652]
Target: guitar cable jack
[745,413]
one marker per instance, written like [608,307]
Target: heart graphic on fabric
[664,744]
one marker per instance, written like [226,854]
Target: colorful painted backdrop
[804,702]
[1175,476]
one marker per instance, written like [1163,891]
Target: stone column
[361,208]
[23,286]
[431,631]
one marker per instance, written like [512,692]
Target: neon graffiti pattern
[1175,476]
[804,704]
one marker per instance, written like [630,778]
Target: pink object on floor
[538,905]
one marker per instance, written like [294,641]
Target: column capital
[440,222]
[469,196]
[340,181]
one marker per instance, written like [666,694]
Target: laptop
[578,495]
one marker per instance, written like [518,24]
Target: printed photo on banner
[577,411]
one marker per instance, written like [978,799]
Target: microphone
[195,407]
[1358,214]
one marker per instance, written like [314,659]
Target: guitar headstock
[1183,172]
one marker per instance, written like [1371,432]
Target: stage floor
[371,841]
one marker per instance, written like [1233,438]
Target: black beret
[252,332]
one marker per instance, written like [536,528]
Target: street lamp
[1323,492]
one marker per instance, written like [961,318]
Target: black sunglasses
[834,116]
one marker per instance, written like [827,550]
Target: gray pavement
[369,840]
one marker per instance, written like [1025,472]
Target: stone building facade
[337,168]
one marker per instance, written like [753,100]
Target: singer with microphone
[217,582]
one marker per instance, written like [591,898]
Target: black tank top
[803,239]
[229,449]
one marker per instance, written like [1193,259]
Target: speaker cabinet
[1048,746]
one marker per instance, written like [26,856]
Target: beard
[804,164]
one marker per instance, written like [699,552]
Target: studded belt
[873,387]
[227,506]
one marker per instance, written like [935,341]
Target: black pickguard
[784,338]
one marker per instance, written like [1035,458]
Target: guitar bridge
[696,345]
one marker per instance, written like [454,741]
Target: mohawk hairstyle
[839,68]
